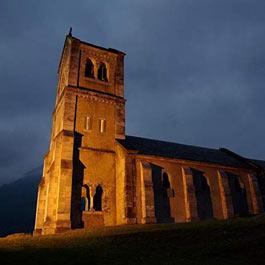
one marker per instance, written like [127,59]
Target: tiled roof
[146,146]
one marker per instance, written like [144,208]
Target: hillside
[18,203]
[238,241]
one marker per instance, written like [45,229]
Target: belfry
[95,175]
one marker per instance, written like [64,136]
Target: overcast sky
[195,71]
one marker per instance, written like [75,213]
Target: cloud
[194,71]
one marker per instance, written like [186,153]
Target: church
[96,175]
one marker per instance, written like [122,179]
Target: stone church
[95,175]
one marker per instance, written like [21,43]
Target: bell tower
[89,114]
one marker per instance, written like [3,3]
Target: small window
[102,72]
[102,125]
[88,123]
[89,69]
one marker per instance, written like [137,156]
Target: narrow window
[102,72]
[89,69]
[102,125]
[85,199]
[88,123]
[98,199]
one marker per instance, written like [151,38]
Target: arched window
[102,72]
[98,198]
[83,203]
[89,69]
[239,195]
[161,189]
[202,195]
[85,199]
[165,181]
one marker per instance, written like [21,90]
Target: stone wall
[77,155]
[89,157]
[182,192]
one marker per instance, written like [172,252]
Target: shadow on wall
[239,195]
[261,183]
[77,183]
[161,187]
[203,195]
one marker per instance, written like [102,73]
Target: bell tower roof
[93,45]
[70,36]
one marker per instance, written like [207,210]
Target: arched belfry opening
[102,72]
[239,195]
[89,69]
[97,199]
[161,187]
[203,195]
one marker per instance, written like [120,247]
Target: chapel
[96,175]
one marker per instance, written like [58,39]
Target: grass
[238,241]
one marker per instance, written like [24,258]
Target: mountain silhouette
[18,203]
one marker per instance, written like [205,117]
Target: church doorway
[161,186]
[239,196]
[203,195]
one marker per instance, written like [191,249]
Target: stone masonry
[95,175]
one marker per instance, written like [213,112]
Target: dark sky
[195,71]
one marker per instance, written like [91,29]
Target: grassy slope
[239,241]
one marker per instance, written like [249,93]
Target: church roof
[260,163]
[146,146]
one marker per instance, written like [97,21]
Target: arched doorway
[239,196]
[161,185]
[203,195]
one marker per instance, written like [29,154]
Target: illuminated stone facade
[94,175]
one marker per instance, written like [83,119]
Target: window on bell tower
[102,125]
[102,72]
[89,69]
[88,123]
